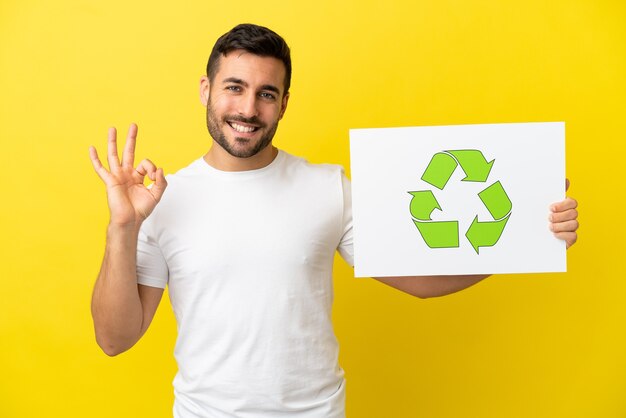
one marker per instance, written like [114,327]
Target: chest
[248,229]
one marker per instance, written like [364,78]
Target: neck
[221,160]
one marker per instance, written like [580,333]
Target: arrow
[496,200]
[474,164]
[423,204]
[485,234]
[439,234]
[439,170]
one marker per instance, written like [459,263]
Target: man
[244,238]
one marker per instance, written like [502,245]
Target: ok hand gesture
[130,202]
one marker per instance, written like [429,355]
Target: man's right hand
[130,201]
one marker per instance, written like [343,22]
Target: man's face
[244,102]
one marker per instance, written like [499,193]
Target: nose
[248,105]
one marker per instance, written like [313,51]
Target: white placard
[501,211]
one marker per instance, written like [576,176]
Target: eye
[233,88]
[267,95]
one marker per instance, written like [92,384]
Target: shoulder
[316,180]
[300,166]
[180,187]
[192,171]
[186,178]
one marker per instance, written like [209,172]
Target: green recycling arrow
[496,200]
[485,234]
[443,164]
[423,204]
[439,170]
[443,234]
[474,164]
[436,234]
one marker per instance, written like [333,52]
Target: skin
[248,91]
[121,309]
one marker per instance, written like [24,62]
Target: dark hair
[257,40]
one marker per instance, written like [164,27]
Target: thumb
[158,187]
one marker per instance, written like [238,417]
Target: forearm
[432,286]
[116,306]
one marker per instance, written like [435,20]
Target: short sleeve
[151,265]
[346,247]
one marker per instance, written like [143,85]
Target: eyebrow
[235,80]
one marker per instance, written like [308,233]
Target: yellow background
[546,345]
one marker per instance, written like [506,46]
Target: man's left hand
[564,219]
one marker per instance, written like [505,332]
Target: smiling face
[245,101]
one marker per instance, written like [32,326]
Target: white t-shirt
[248,260]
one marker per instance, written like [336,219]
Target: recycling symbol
[445,234]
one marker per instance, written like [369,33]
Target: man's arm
[563,223]
[431,286]
[121,309]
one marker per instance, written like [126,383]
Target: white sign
[464,199]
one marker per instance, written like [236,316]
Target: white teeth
[242,129]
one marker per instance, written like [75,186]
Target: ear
[283,105]
[205,89]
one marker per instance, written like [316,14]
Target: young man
[244,238]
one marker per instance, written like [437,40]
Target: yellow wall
[547,345]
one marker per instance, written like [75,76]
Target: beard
[242,147]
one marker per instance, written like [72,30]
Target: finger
[146,168]
[159,185]
[564,205]
[566,184]
[567,215]
[128,156]
[570,238]
[97,165]
[567,226]
[114,161]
